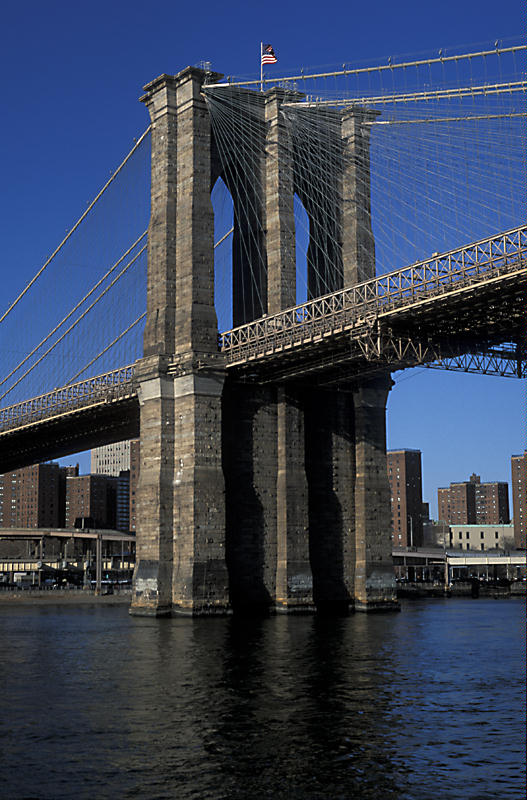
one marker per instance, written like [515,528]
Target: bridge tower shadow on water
[253,497]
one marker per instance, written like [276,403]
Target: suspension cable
[441,59]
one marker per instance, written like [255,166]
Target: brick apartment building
[34,497]
[457,503]
[519,498]
[474,503]
[404,475]
[134,480]
[91,501]
[492,503]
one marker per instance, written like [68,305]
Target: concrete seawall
[62,597]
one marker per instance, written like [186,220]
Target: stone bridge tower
[252,497]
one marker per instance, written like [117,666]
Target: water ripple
[422,705]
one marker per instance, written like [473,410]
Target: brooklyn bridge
[247,334]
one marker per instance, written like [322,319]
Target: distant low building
[436,534]
[481,537]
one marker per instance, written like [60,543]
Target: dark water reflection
[429,703]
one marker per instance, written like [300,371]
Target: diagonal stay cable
[81,218]
[73,325]
[108,347]
[225,235]
[74,309]
[132,325]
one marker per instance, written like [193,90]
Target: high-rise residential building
[91,501]
[519,498]
[122,501]
[474,503]
[122,461]
[31,497]
[404,475]
[65,472]
[457,503]
[492,503]
[110,459]
[134,480]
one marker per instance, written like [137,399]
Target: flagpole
[261,67]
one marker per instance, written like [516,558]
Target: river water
[428,703]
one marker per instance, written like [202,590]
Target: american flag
[268,56]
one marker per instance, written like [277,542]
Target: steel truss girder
[482,364]
[401,352]
[377,350]
[410,289]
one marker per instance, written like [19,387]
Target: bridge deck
[467,301]
[425,293]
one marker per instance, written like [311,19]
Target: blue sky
[72,76]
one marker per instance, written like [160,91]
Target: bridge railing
[360,303]
[101,388]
